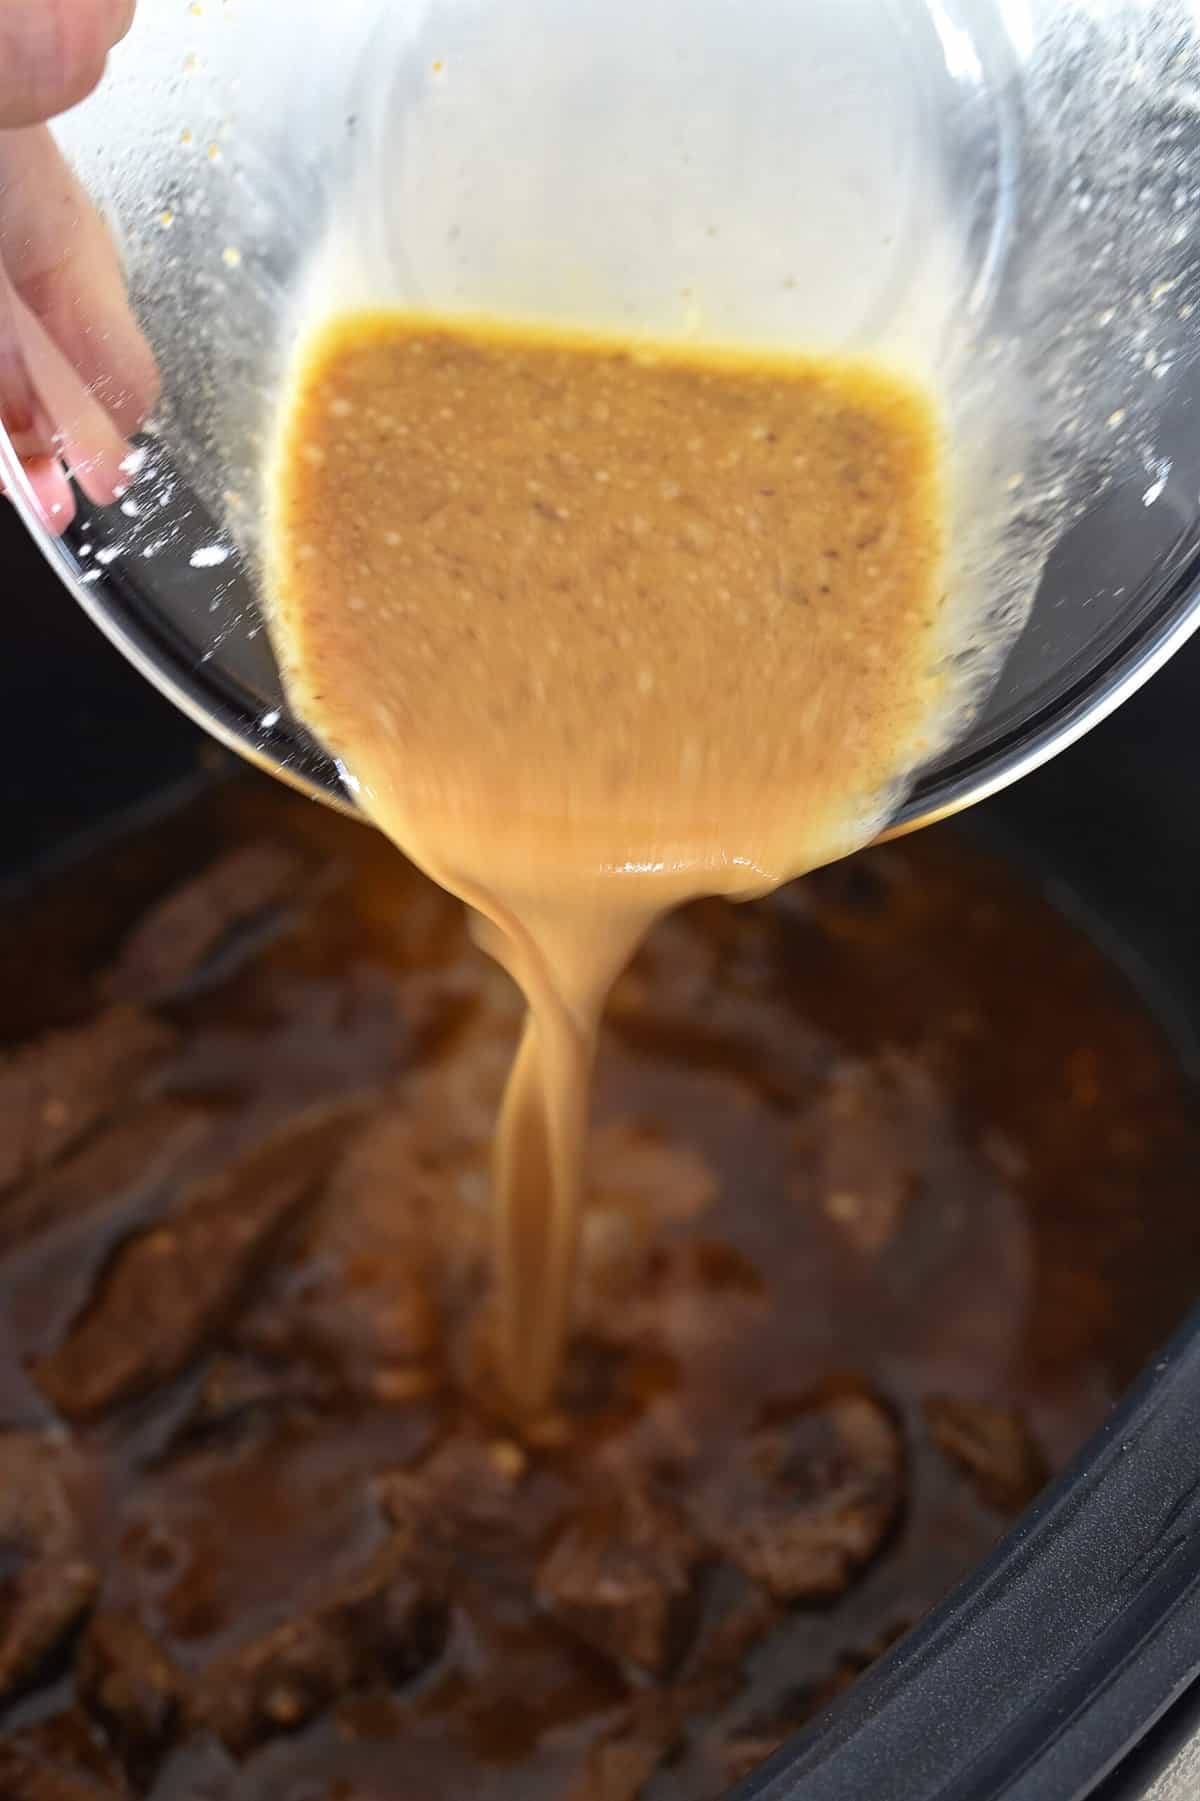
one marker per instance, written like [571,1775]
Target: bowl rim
[1128,665]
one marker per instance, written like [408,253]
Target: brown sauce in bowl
[890,1190]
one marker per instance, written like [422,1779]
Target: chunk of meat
[27,1774]
[128,1682]
[992,1446]
[633,1166]
[42,1609]
[387,1622]
[638,1182]
[166,1291]
[810,1497]
[618,1767]
[325,1041]
[240,1391]
[455,1098]
[707,991]
[691,1295]
[39,1475]
[619,1764]
[737,1618]
[473,1489]
[861,1148]
[72,1746]
[46,1585]
[277,1684]
[173,944]
[58,1087]
[358,1295]
[622,1575]
[124,1163]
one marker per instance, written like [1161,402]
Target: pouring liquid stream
[599,628]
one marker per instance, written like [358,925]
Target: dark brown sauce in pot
[890,1190]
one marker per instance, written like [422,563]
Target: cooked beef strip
[122,1165]
[993,1447]
[618,1765]
[622,1573]
[170,945]
[387,1620]
[57,1088]
[47,1585]
[129,1683]
[810,1496]
[26,1774]
[167,1290]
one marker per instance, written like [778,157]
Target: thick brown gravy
[596,630]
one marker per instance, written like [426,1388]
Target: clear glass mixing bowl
[999,195]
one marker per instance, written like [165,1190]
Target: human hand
[76,375]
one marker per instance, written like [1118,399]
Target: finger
[53,499]
[52,53]
[63,264]
[83,437]
[48,411]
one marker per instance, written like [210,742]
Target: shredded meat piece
[619,1764]
[474,1490]
[357,1297]
[58,1087]
[45,1605]
[124,1163]
[809,1499]
[617,1768]
[638,1182]
[687,1295]
[169,1289]
[621,1575]
[129,1683]
[240,1392]
[47,1586]
[27,1774]
[992,1446]
[677,997]
[634,1167]
[861,1147]
[67,1748]
[171,944]
[388,1620]
[713,1671]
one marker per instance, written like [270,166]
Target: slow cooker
[1066,1665]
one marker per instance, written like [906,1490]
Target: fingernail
[125,12]
[51,494]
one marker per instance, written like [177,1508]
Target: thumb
[52,53]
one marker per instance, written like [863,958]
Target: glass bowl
[999,196]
